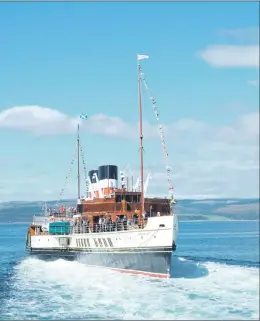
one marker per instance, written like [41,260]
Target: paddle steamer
[115,225]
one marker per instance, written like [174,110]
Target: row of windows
[98,242]
[83,242]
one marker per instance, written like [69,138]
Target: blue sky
[81,58]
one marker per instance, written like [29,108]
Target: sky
[58,60]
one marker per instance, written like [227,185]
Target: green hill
[187,209]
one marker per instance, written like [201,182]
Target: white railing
[41,220]
[78,228]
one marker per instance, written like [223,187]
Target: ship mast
[78,165]
[141,137]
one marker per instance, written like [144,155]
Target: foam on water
[70,290]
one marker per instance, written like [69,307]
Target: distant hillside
[187,209]
[218,209]
[24,211]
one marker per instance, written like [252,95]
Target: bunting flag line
[67,177]
[85,170]
[161,133]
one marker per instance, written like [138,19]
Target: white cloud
[110,126]
[250,34]
[245,53]
[199,180]
[40,120]
[253,82]
[231,56]
[189,125]
[207,161]
[47,121]
[245,129]
[222,162]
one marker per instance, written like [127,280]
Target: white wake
[70,290]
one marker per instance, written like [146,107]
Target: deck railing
[106,227]
[84,227]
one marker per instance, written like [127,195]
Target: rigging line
[161,133]
[67,177]
[85,169]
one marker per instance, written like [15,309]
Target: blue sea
[215,275]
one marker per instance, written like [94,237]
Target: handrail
[99,228]
[84,227]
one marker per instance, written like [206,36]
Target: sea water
[215,275]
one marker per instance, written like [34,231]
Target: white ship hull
[146,251]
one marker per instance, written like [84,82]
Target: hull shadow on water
[183,268]
[180,267]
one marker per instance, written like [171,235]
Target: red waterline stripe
[136,272]
[151,274]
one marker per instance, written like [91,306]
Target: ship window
[96,243]
[110,242]
[161,225]
[77,242]
[118,198]
[88,243]
[128,198]
[81,243]
[100,242]
[105,242]
[84,240]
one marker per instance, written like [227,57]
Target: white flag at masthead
[140,57]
